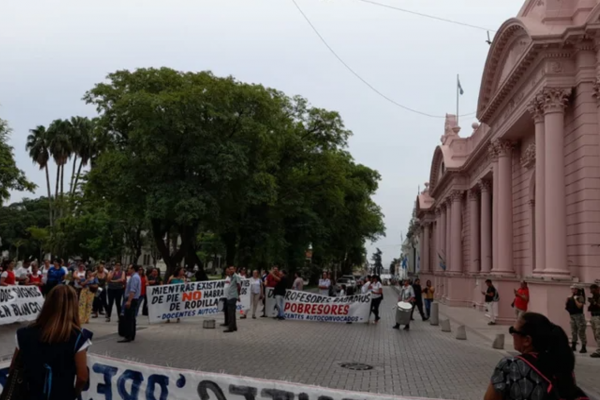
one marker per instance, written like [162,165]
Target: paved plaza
[423,362]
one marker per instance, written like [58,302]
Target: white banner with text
[305,306]
[112,379]
[20,303]
[184,300]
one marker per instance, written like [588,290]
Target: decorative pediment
[512,56]
[510,45]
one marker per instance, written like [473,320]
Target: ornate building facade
[519,198]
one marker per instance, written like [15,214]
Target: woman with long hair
[52,350]
[178,277]
[543,369]
[376,290]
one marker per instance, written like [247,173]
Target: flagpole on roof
[458,88]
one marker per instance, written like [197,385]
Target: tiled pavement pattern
[423,362]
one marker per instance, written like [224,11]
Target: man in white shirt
[407,294]
[21,273]
[365,287]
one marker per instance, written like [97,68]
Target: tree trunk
[62,184]
[77,176]
[56,202]
[229,239]
[49,193]
[73,173]
[172,261]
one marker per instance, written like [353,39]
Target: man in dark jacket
[418,300]
[279,292]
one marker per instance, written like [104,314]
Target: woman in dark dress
[53,350]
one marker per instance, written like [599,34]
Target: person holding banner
[177,278]
[232,294]
[376,296]
[279,293]
[256,292]
[8,278]
[324,285]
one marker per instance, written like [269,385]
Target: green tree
[11,177]
[20,225]
[60,146]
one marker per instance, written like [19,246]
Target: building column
[475,264]
[554,102]
[505,209]
[456,231]
[537,111]
[448,245]
[493,153]
[425,253]
[442,234]
[486,227]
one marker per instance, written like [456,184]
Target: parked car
[347,280]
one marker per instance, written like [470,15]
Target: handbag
[16,387]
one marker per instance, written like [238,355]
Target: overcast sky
[53,51]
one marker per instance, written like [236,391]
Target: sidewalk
[587,369]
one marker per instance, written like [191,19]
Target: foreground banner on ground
[112,379]
[305,306]
[19,303]
[192,299]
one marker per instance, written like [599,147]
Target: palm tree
[60,147]
[38,147]
[76,140]
[85,146]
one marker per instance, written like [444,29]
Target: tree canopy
[267,174]
[11,177]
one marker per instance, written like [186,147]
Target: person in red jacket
[521,299]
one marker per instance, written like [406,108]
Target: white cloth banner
[184,300]
[305,306]
[270,303]
[119,379]
[19,303]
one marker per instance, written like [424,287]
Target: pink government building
[519,196]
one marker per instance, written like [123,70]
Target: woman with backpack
[544,353]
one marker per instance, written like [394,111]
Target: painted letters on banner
[119,379]
[19,303]
[270,303]
[304,306]
[192,299]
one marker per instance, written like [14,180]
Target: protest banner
[119,379]
[19,303]
[185,300]
[270,303]
[305,306]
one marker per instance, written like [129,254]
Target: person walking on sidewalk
[418,300]
[428,292]
[544,369]
[574,306]
[407,294]
[491,301]
[376,290]
[521,300]
[233,295]
[594,309]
